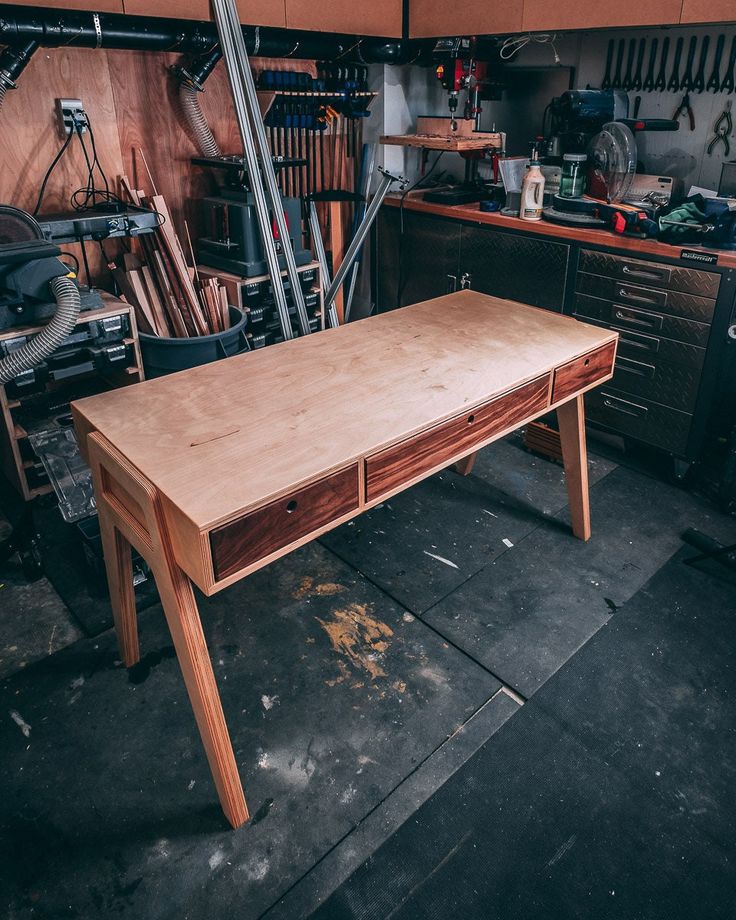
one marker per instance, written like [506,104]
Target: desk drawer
[264,531]
[583,372]
[661,426]
[409,459]
[652,274]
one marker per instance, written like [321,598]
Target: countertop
[642,247]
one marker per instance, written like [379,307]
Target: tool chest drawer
[261,532]
[647,322]
[639,418]
[671,385]
[650,274]
[582,372]
[409,459]
[689,306]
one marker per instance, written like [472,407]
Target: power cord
[514,43]
[52,167]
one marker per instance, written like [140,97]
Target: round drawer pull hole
[471,419]
[587,362]
[291,506]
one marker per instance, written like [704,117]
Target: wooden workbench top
[642,247]
[223,438]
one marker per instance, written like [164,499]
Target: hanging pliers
[722,131]
[685,108]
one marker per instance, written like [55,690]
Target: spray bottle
[532,189]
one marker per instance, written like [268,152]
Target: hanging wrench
[636,82]
[616,82]
[698,83]
[660,84]
[728,77]
[687,77]
[674,85]
[626,84]
[648,84]
[714,84]
[606,82]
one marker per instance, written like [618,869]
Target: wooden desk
[214,472]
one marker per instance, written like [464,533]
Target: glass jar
[572,183]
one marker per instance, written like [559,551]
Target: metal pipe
[234,73]
[367,178]
[267,171]
[361,233]
[319,250]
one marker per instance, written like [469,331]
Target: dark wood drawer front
[651,274]
[280,523]
[622,317]
[407,460]
[582,372]
[688,306]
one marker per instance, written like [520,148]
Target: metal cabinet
[417,257]
[514,266]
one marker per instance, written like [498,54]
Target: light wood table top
[222,438]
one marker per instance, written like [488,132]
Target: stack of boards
[168,297]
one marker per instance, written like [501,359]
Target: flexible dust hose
[61,324]
[189,100]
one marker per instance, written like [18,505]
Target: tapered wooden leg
[180,607]
[119,567]
[571,419]
[465,466]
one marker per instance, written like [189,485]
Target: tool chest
[664,315]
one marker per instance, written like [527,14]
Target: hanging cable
[514,43]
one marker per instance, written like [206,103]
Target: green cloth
[686,215]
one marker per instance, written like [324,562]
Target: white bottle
[532,190]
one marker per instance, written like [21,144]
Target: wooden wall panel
[100,6]
[544,15]
[435,18]
[252,12]
[378,17]
[708,11]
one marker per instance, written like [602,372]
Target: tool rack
[79,370]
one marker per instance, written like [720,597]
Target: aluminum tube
[361,233]
[319,251]
[267,170]
[230,55]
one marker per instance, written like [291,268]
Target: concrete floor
[357,676]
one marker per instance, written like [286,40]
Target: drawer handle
[635,367]
[292,506]
[621,407]
[650,321]
[653,273]
[622,292]
[471,419]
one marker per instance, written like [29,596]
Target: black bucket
[166,356]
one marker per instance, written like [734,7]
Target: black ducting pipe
[54,28]
[13,60]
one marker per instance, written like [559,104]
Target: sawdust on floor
[360,637]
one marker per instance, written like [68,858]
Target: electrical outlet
[72,115]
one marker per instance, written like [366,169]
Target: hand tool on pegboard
[617,76]
[687,77]
[606,81]
[629,76]
[660,84]
[698,83]
[685,107]
[714,83]
[648,84]
[637,78]
[729,78]
[722,130]
[674,82]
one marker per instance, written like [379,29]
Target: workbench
[214,472]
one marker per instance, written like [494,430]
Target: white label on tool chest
[706,258]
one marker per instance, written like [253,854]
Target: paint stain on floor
[359,636]
[308,588]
